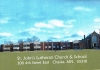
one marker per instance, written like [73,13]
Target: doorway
[94,45]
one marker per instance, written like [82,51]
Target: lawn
[51,60]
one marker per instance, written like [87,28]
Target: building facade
[92,41]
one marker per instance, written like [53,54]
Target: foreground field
[51,60]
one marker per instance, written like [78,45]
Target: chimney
[99,31]
[84,36]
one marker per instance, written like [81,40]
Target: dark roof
[89,36]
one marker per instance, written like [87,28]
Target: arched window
[94,39]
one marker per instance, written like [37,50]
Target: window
[94,39]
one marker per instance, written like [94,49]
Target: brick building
[92,41]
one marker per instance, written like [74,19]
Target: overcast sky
[59,20]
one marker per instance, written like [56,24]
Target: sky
[56,20]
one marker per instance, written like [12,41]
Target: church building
[91,41]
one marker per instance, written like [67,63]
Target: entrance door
[94,44]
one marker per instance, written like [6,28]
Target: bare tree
[49,40]
[20,41]
[8,42]
[35,39]
[29,40]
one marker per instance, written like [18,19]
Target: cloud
[29,31]
[54,23]
[43,25]
[97,30]
[5,34]
[71,21]
[4,20]
[97,26]
[68,26]
[97,20]
[24,33]
[56,36]
[50,24]
[54,26]
[80,33]
[79,8]
[32,29]
[52,38]
[57,23]
[74,35]
[97,23]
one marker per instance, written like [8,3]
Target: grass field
[53,60]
